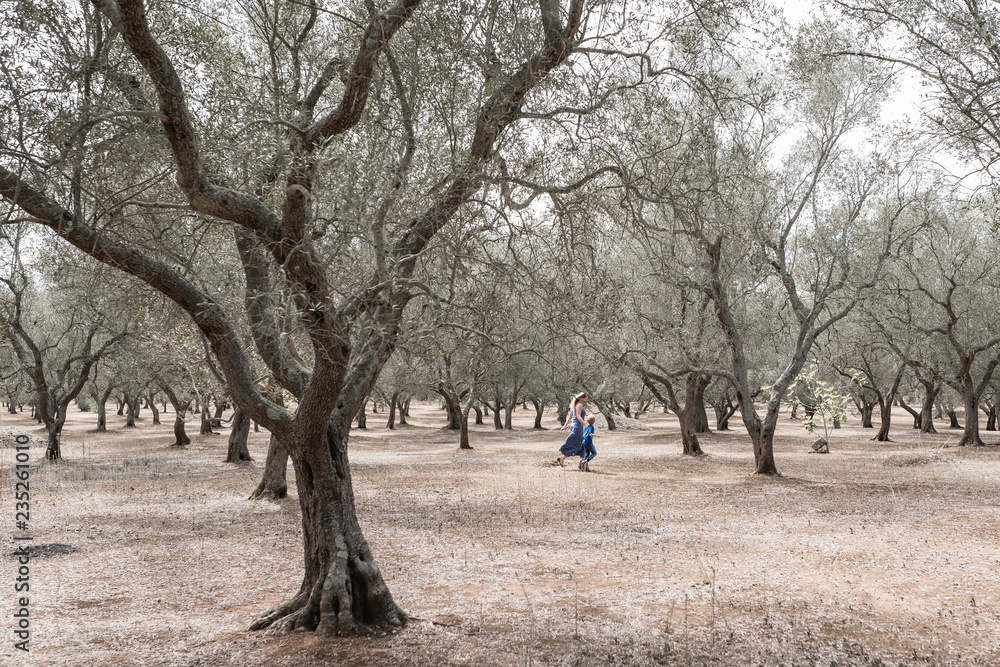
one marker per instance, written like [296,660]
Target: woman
[576,422]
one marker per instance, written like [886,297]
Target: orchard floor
[875,554]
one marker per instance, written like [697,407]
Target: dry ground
[876,554]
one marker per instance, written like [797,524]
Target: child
[589,451]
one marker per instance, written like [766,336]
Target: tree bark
[508,413]
[463,432]
[927,410]
[539,410]
[404,412]
[991,416]
[562,410]
[273,484]
[152,407]
[971,394]
[497,421]
[690,414]
[363,416]
[479,414]
[181,438]
[238,450]
[953,418]
[700,415]
[451,407]
[102,410]
[885,402]
[206,421]
[885,410]
[913,413]
[53,450]
[391,423]
[866,408]
[132,403]
[724,410]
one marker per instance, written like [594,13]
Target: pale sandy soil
[876,554]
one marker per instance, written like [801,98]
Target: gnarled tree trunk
[342,590]
[206,421]
[181,438]
[539,410]
[451,407]
[102,410]
[273,484]
[724,410]
[885,406]
[238,450]
[152,407]
[497,422]
[463,431]
[700,415]
[913,413]
[991,416]
[927,410]
[53,449]
[866,408]
[132,404]
[391,424]
[508,413]
[562,410]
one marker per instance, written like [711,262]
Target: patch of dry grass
[878,553]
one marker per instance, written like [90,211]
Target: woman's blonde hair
[576,399]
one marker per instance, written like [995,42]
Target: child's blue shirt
[588,433]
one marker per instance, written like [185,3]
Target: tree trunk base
[305,612]
[343,593]
[53,452]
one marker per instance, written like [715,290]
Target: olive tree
[350,263]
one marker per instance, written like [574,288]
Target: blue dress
[574,443]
